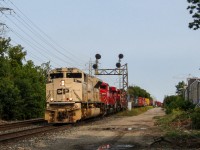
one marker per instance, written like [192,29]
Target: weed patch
[134,111]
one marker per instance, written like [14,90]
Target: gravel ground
[110,133]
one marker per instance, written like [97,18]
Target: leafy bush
[177,102]
[195,116]
[134,111]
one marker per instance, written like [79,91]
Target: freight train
[73,95]
[142,101]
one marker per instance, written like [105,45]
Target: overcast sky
[153,35]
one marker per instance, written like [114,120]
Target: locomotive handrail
[77,95]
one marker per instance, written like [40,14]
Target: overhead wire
[30,44]
[32,55]
[36,41]
[41,38]
[43,48]
[74,56]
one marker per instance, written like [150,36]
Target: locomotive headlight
[62,82]
[51,99]
[70,99]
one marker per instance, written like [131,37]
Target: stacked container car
[158,104]
[147,102]
[141,101]
[135,101]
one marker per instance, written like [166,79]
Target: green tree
[136,91]
[22,84]
[176,102]
[194,10]
[16,55]
[180,87]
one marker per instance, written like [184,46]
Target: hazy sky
[153,35]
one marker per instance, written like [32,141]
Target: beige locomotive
[72,95]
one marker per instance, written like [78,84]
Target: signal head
[121,56]
[118,65]
[98,56]
[94,66]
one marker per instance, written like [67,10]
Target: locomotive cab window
[74,75]
[56,75]
[103,87]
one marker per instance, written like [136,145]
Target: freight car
[141,102]
[73,95]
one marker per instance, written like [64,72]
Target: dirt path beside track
[111,133]
[115,133]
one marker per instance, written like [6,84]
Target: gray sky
[153,35]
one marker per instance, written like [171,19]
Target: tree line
[136,91]
[22,84]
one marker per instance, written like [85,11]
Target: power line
[36,27]
[2,25]
[31,44]
[37,43]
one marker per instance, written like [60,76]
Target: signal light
[118,65]
[98,56]
[95,66]
[121,56]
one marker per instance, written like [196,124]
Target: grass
[134,111]
[177,125]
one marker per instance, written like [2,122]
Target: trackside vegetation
[182,119]
[135,111]
[22,84]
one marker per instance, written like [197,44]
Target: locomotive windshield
[74,75]
[56,75]
[103,87]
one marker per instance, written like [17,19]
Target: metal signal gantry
[120,70]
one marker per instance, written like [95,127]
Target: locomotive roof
[65,70]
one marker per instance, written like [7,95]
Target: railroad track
[15,134]
[24,133]
[19,124]
[7,137]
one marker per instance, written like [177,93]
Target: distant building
[192,91]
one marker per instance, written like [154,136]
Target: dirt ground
[111,133]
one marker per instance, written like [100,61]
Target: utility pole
[2,25]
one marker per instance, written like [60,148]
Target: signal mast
[121,70]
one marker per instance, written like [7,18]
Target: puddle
[124,146]
[118,129]
[115,147]
[129,129]
[104,147]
